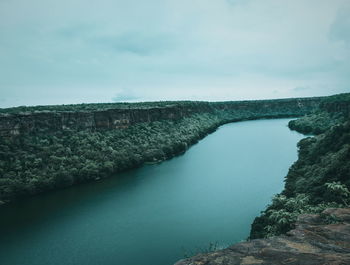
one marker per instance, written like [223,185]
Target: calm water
[152,215]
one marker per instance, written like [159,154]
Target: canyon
[120,117]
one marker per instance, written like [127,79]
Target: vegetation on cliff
[320,178]
[41,157]
[37,162]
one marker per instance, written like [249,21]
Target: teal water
[154,214]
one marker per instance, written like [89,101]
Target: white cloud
[171,49]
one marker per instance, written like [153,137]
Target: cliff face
[15,124]
[314,241]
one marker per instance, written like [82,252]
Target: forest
[320,178]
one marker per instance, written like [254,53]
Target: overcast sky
[74,51]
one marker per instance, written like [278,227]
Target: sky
[76,51]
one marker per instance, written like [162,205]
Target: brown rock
[313,242]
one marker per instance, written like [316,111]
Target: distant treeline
[126,105]
[320,178]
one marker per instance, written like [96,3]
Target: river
[156,214]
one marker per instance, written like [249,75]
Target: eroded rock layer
[116,118]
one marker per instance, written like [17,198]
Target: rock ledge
[314,241]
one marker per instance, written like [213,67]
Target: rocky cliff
[317,239]
[114,118]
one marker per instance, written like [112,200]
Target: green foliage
[283,105]
[320,178]
[332,111]
[322,159]
[281,215]
[343,97]
[316,123]
[339,191]
[91,106]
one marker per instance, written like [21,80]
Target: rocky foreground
[317,239]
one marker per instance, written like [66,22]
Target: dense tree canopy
[42,161]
